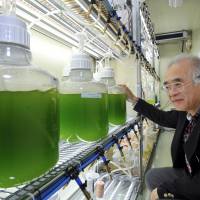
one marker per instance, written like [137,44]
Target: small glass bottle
[116,98]
[99,190]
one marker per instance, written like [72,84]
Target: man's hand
[154,195]
[130,96]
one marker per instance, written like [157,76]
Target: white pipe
[116,170]
[130,191]
[107,189]
[119,167]
[114,192]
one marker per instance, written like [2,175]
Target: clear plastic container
[29,118]
[83,103]
[116,98]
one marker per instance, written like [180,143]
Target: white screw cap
[81,61]
[13,30]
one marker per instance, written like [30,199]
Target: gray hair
[195,62]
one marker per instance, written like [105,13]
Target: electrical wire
[119,169]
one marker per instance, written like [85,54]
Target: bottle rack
[74,158]
[53,13]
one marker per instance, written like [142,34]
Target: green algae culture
[83,116]
[29,135]
[117,109]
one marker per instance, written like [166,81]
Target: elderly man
[182,83]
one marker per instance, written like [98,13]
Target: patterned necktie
[187,133]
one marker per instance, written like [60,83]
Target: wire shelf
[77,155]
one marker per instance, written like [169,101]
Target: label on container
[91,95]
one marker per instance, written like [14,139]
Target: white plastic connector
[66,72]
[82,37]
[107,72]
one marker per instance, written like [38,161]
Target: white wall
[167,52]
[168,19]
[196,41]
[49,54]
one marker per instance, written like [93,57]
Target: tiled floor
[162,157]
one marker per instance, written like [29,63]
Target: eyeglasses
[176,86]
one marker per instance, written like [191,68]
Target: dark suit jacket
[187,186]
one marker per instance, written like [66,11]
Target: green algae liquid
[29,135]
[151,101]
[117,109]
[83,117]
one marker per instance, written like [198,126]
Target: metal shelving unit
[74,158]
[62,19]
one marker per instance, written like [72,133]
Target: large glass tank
[116,98]
[83,103]
[29,117]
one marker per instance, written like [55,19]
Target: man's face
[183,93]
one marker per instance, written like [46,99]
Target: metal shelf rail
[74,158]
[62,19]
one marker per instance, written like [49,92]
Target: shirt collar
[190,117]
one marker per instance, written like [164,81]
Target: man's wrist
[134,101]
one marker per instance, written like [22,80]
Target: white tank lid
[14,30]
[81,61]
[107,72]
